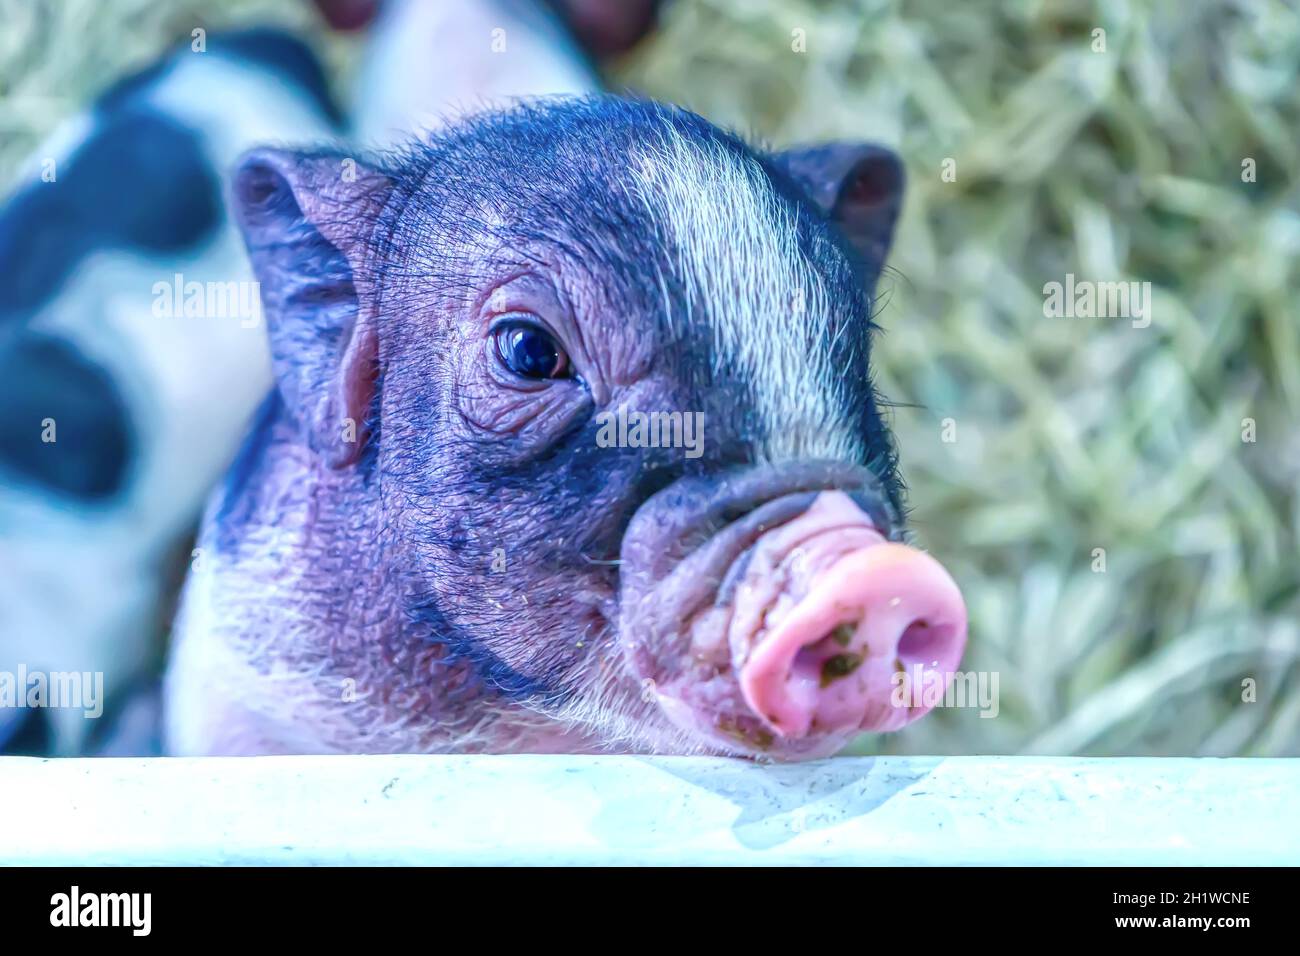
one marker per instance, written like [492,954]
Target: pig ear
[858,187]
[307,220]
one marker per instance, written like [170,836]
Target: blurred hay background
[1072,434]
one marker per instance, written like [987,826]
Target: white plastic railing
[660,810]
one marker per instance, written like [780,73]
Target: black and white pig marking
[145,412]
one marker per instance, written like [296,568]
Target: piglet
[573,447]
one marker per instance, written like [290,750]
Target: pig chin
[789,630]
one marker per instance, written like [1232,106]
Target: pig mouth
[775,612]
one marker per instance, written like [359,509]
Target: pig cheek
[534,604]
[553,636]
[687,674]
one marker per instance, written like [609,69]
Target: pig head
[452,527]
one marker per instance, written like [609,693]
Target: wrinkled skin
[420,550]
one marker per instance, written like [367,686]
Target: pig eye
[528,350]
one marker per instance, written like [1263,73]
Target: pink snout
[848,654]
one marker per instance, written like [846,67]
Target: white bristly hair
[738,259]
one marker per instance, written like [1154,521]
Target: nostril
[838,666]
[918,642]
[827,660]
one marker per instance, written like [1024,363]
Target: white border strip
[649,810]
